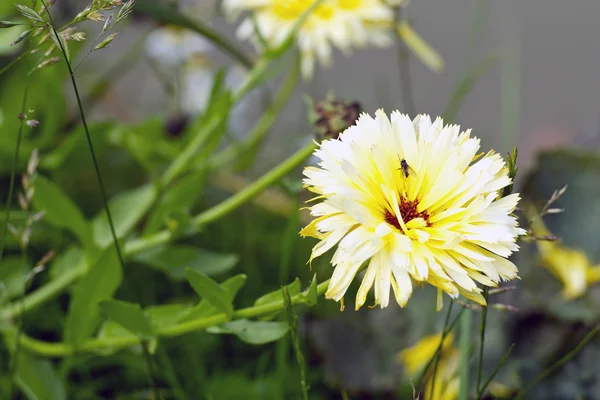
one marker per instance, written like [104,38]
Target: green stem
[115,343]
[12,63]
[438,352]
[13,172]
[150,369]
[170,374]
[253,189]
[54,287]
[408,97]
[465,348]
[554,367]
[88,137]
[482,323]
[496,370]
[261,128]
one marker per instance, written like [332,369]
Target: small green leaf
[210,291]
[166,315]
[253,332]
[68,259]
[37,379]
[59,209]
[127,209]
[101,282]
[204,308]
[293,288]
[13,272]
[130,316]
[310,295]
[175,259]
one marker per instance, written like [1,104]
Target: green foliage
[59,210]
[38,379]
[211,291]
[130,316]
[205,308]
[100,282]
[252,332]
[174,260]
[127,209]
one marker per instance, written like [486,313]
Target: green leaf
[180,197]
[277,295]
[37,379]
[130,316]
[166,315]
[205,309]
[66,260]
[101,282]
[210,291]
[59,209]
[127,209]
[173,260]
[465,86]
[310,295]
[13,272]
[252,332]
[293,288]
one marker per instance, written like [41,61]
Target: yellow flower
[409,197]
[344,24]
[447,382]
[570,266]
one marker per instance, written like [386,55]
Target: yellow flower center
[292,9]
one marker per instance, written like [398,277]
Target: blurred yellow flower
[345,24]
[570,266]
[409,197]
[447,382]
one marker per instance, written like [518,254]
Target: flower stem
[438,350]
[464,348]
[554,367]
[482,323]
[13,172]
[496,370]
[438,355]
[120,342]
[88,137]
[55,286]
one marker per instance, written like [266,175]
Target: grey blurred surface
[543,92]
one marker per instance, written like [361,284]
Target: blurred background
[532,72]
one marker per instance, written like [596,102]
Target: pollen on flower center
[408,211]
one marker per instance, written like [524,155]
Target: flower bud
[330,118]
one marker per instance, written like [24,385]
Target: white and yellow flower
[410,197]
[345,24]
